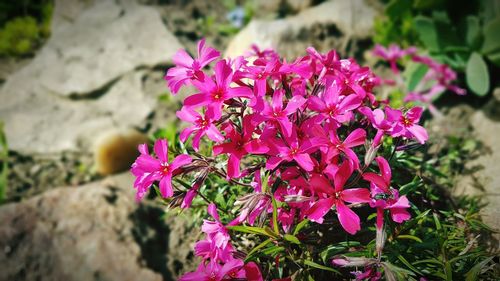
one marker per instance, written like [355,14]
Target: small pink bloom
[384,197]
[187,68]
[202,125]
[337,196]
[148,169]
[407,124]
[277,113]
[214,93]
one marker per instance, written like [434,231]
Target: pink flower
[407,124]
[148,169]
[330,105]
[240,145]
[393,54]
[378,121]
[203,125]
[336,146]
[214,94]
[384,197]
[187,68]
[290,150]
[213,271]
[277,113]
[337,196]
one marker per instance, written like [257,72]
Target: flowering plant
[424,79]
[308,148]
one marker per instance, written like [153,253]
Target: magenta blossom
[337,196]
[213,271]
[203,125]
[336,146]
[406,125]
[187,68]
[277,113]
[332,105]
[290,150]
[215,93]
[392,54]
[148,169]
[384,197]
[240,145]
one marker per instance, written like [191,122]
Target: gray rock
[353,19]
[71,234]
[93,232]
[484,180]
[85,80]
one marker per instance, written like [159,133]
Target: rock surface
[87,79]
[353,20]
[485,180]
[94,232]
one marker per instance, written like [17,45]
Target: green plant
[24,26]
[19,37]
[464,37]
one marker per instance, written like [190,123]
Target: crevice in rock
[151,234]
[96,94]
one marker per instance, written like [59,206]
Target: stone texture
[85,80]
[352,19]
[93,232]
[485,180]
[71,234]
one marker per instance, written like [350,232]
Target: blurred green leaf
[473,33]
[427,32]
[254,230]
[414,74]
[292,239]
[491,33]
[319,266]
[477,75]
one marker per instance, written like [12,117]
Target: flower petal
[320,209]
[348,218]
[161,150]
[166,186]
[356,195]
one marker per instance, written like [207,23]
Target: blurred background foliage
[463,34]
[24,25]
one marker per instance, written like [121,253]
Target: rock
[351,19]
[87,78]
[484,179]
[117,150]
[93,232]
[47,123]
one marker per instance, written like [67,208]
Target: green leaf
[331,251]
[405,262]
[291,238]
[494,58]
[474,272]
[275,216]
[411,237]
[299,226]
[477,75]
[473,33]
[258,247]
[414,74]
[273,250]
[436,221]
[427,32]
[253,230]
[491,33]
[319,266]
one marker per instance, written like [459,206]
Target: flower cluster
[302,138]
[435,79]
